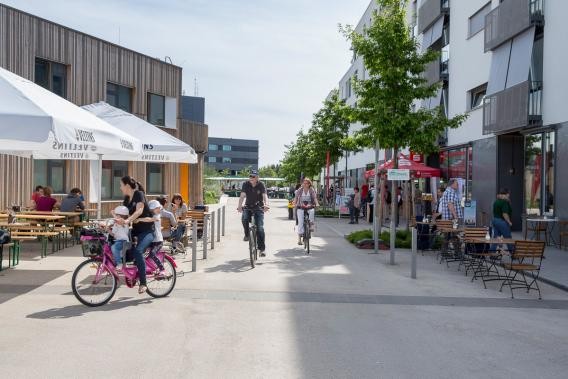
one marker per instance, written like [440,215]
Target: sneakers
[119,267]
[246,238]
[142,289]
[300,241]
[262,253]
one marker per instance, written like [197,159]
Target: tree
[385,100]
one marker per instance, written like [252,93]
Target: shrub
[403,237]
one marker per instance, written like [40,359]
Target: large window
[156,109]
[458,164]
[226,160]
[477,21]
[212,159]
[50,173]
[476,96]
[213,147]
[51,76]
[119,97]
[540,159]
[226,147]
[155,178]
[113,171]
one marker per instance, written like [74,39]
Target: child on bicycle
[156,208]
[121,234]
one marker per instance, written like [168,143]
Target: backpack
[4,237]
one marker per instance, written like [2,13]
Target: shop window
[51,76]
[50,173]
[156,109]
[155,178]
[540,160]
[112,172]
[119,96]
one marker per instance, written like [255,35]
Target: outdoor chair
[450,244]
[536,228]
[526,258]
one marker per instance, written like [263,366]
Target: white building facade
[503,62]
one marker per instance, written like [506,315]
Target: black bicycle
[307,231]
[253,247]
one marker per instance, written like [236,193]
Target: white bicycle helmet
[153,204]
[121,210]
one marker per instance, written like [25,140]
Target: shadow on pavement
[79,310]
[14,283]
[241,265]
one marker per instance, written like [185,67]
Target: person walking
[450,205]
[502,213]
[354,206]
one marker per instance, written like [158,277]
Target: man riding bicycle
[255,205]
[305,197]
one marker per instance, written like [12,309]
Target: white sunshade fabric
[156,145]
[36,122]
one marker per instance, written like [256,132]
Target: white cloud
[264,66]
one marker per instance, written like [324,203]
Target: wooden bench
[36,231]
[9,245]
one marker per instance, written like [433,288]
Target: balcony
[430,11]
[517,107]
[437,70]
[511,18]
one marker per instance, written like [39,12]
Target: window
[113,171]
[226,147]
[156,109]
[540,159]
[155,178]
[119,96]
[458,164]
[50,173]
[348,88]
[213,147]
[51,76]
[476,96]
[226,160]
[477,21]
[212,159]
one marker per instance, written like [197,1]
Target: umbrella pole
[100,184]
[376,223]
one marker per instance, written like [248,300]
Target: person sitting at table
[46,203]
[177,230]
[35,196]
[73,202]
[178,207]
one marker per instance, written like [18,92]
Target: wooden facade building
[90,66]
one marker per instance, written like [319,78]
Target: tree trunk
[394,204]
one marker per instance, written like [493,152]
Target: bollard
[218,225]
[212,230]
[414,253]
[194,245]
[205,234]
[392,242]
[223,224]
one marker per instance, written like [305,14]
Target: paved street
[339,313]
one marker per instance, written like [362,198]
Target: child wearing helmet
[156,208]
[121,234]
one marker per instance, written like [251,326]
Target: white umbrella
[156,145]
[36,122]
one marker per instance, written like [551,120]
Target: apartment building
[232,154]
[503,63]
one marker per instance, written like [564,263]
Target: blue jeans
[116,248]
[177,234]
[501,229]
[144,240]
[259,220]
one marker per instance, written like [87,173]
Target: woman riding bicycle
[137,206]
[305,197]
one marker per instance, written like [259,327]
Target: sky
[263,66]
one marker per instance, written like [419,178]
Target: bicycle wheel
[160,286]
[92,284]
[251,250]
[307,236]
[254,242]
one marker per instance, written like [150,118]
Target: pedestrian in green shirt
[502,213]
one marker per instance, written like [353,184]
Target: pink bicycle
[95,280]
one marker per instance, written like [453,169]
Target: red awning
[417,170]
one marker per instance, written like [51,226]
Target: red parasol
[417,170]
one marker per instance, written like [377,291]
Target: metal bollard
[212,230]
[414,253]
[205,234]
[392,242]
[223,223]
[218,225]
[194,245]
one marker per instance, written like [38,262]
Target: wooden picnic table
[39,217]
[493,241]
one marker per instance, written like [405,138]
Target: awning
[499,68]
[36,122]
[156,145]
[433,34]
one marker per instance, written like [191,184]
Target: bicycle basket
[92,247]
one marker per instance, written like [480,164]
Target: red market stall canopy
[417,170]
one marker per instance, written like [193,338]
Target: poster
[344,205]
[470,213]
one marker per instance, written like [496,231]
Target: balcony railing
[437,70]
[517,107]
[430,11]
[511,18]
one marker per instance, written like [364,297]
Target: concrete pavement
[338,313]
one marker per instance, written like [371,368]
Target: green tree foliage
[329,133]
[385,100]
